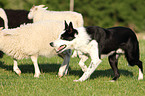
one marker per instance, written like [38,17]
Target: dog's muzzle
[51,44]
[60,49]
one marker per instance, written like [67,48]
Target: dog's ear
[66,25]
[70,27]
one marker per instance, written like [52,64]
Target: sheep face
[34,10]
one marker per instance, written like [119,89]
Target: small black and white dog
[96,42]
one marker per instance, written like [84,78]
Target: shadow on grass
[46,68]
[102,73]
[29,68]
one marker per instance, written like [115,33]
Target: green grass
[50,85]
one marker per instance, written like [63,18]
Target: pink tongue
[61,47]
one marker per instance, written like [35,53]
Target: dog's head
[66,38]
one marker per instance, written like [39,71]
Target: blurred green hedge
[104,13]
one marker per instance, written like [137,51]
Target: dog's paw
[36,75]
[77,80]
[112,80]
[140,77]
[59,75]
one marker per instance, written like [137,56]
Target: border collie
[95,42]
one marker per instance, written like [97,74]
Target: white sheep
[38,13]
[16,18]
[32,40]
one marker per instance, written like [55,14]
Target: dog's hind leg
[113,60]
[65,65]
[139,64]
[140,77]
[132,56]
[133,60]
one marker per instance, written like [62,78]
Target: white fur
[140,77]
[95,60]
[86,47]
[16,68]
[118,51]
[38,13]
[82,43]
[82,63]
[32,40]
[4,17]
[82,36]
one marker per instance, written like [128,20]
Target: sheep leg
[16,68]
[34,60]
[65,65]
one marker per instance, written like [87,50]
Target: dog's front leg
[74,54]
[82,63]
[90,70]
[94,54]
[65,65]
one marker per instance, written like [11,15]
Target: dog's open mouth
[61,48]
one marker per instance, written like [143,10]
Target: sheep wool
[38,13]
[31,39]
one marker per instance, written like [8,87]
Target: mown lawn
[50,85]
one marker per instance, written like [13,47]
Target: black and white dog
[95,42]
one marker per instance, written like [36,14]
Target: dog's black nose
[51,44]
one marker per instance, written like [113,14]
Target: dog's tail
[4,17]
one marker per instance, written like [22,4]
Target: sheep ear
[33,6]
[41,6]
[66,25]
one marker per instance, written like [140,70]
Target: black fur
[114,38]
[109,40]
[69,32]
